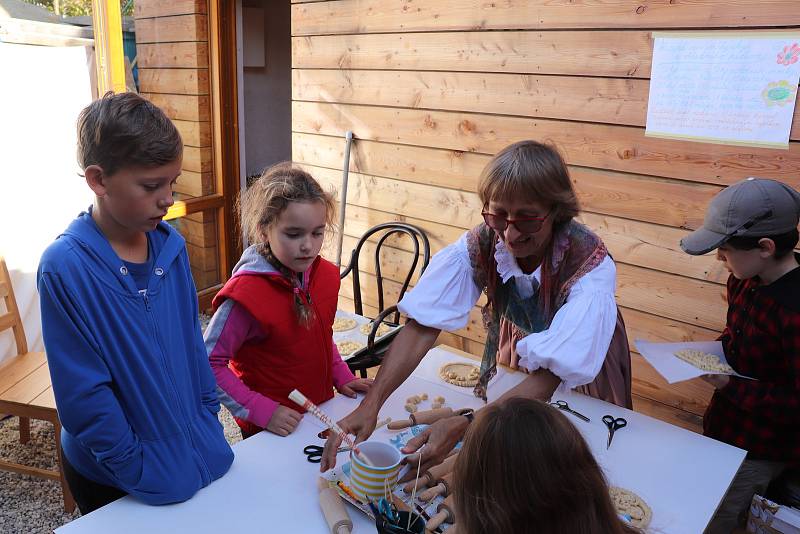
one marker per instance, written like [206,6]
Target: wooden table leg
[24,429]
[69,501]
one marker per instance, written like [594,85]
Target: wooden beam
[184,81]
[612,147]
[381,16]
[181,208]
[585,99]
[110,58]
[625,54]
[173,55]
[225,124]
[193,27]
[157,8]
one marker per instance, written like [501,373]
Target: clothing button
[123,270]
[159,271]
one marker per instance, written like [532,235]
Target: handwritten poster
[734,88]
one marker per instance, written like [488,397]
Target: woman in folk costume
[550,311]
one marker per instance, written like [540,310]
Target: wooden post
[110,59]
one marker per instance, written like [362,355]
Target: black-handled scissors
[314,452]
[613,425]
[562,405]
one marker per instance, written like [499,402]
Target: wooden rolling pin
[445,512]
[421,418]
[333,509]
[442,487]
[428,478]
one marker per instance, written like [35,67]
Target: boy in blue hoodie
[134,390]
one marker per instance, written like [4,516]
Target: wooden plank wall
[432,89]
[172,54]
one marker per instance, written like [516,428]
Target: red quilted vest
[292,356]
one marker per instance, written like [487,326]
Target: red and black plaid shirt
[761,340]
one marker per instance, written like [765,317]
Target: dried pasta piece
[436,405]
[439,399]
[423,396]
[411,408]
[340,324]
[703,360]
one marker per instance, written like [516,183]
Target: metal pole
[343,202]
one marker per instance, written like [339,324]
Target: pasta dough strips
[703,360]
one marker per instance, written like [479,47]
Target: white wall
[42,90]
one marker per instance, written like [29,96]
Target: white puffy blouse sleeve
[446,293]
[575,346]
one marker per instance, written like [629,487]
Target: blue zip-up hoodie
[134,390]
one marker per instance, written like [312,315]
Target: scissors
[314,453]
[562,405]
[613,425]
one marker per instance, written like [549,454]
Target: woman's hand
[359,385]
[718,381]
[283,421]
[439,439]
[360,422]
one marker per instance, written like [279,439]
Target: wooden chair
[25,389]
[372,355]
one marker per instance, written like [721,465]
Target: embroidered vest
[574,251]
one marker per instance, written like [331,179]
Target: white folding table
[272,488]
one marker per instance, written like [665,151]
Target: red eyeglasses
[525,225]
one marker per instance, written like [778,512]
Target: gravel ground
[32,504]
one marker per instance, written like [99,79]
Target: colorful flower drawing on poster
[778,93]
[789,54]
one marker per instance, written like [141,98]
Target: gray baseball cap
[755,207]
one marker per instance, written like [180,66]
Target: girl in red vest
[272,329]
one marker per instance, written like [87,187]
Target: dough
[411,408]
[703,360]
[382,329]
[628,503]
[439,399]
[460,374]
[348,347]
[340,324]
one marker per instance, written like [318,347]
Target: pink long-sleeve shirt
[230,328]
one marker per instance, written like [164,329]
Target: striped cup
[370,482]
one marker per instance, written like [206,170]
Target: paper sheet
[727,87]
[662,357]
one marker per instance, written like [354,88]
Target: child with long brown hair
[272,329]
[525,468]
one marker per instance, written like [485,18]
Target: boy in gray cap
[753,227]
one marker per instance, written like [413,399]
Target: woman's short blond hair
[530,171]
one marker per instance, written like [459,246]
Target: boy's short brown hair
[125,130]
